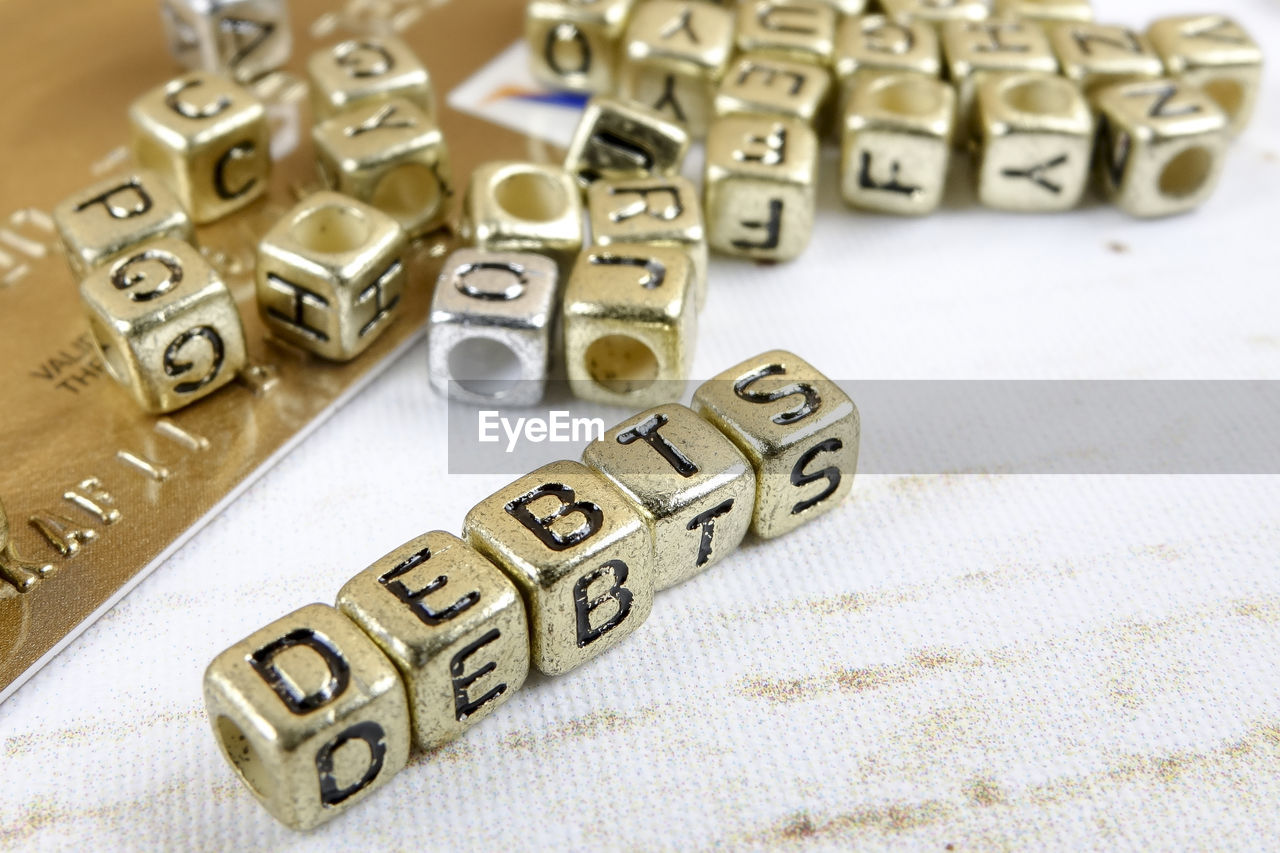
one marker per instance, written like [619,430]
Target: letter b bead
[310,713]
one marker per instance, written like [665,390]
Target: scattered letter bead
[897,143]
[760,186]
[797,427]
[693,487]
[1216,54]
[310,713]
[800,29]
[579,553]
[1045,11]
[621,139]
[1096,55]
[207,138]
[934,11]
[244,38]
[629,323]
[758,84]
[369,68]
[974,50]
[112,216]
[391,155]
[1035,140]
[873,44]
[330,275]
[1160,146]
[523,207]
[491,318]
[574,44]
[165,324]
[452,623]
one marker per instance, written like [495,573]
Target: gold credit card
[95,492]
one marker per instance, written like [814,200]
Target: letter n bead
[797,427]
[579,553]
[454,626]
[310,713]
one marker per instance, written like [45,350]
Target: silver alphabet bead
[242,38]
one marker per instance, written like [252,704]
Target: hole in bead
[1226,93]
[908,96]
[484,366]
[408,191]
[244,758]
[112,357]
[1046,97]
[621,364]
[1186,173]
[532,196]
[332,229]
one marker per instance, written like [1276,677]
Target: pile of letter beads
[320,708]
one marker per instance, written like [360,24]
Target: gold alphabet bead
[662,211]
[310,714]
[574,44]
[452,623]
[629,323]
[934,12]
[1096,55]
[244,38]
[676,53]
[760,186]
[1161,144]
[364,69]
[800,29]
[797,427]
[975,50]
[207,138]
[166,326]
[1034,142]
[691,485]
[581,556]
[622,139]
[112,216]
[1218,55]
[874,44]
[897,143]
[391,155]
[1045,10]
[330,275]
[760,84]
[512,206]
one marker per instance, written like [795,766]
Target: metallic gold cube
[1045,10]
[1034,135]
[799,29]
[870,45]
[630,318]
[579,553]
[310,714]
[935,12]
[676,52]
[1095,55]
[760,84]
[512,206]
[691,485]
[622,139]
[207,138]
[391,155]
[659,211]
[244,38]
[574,45]
[896,143]
[452,623]
[797,427]
[165,325]
[99,222]
[331,275]
[370,68]
[759,187]
[976,50]
[1215,53]
[1161,144]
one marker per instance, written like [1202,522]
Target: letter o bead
[454,626]
[797,427]
[581,556]
[310,713]
[575,45]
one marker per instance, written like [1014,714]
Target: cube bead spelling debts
[630,320]
[1216,54]
[693,487]
[1035,140]
[311,715]
[391,155]
[452,623]
[244,38]
[1096,55]
[166,325]
[330,275]
[207,138]
[799,29]
[760,186]
[579,553]
[759,84]
[491,319]
[1161,144]
[369,68]
[621,139]
[112,216]
[974,50]
[512,206]
[574,44]
[797,427]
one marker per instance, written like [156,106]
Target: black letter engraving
[655,273]
[772,228]
[381,120]
[707,521]
[463,705]
[512,291]
[122,279]
[185,108]
[670,212]
[115,211]
[239,151]
[376,293]
[302,299]
[866,182]
[683,24]
[830,474]
[562,33]
[669,99]
[1037,173]
[369,732]
[616,593]
[348,56]
[263,663]
[647,431]
[1126,42]
[540,526]
[246,35]
[811,399]
[1163,95]
[414,598]
[175,368]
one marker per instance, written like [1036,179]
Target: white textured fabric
[974,661]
